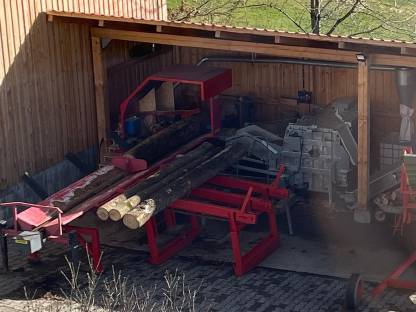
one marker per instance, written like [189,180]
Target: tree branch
[344,17]
[366,31]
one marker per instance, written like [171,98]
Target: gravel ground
[261,289]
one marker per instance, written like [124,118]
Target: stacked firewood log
[150,196]
[150,149]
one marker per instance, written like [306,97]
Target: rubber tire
[354,291]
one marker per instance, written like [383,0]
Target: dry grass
[92,292]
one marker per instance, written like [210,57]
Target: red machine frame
[212,82]
[405,218]
[237,209]
[393,280]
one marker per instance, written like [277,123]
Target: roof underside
[261,41]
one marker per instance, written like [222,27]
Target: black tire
[355,291]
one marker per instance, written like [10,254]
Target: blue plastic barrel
[132,126]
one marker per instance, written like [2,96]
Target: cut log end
[102,214]
[123,207]
[137,217]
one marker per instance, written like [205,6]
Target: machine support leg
[4,252]
[235,245]
[74,248]
[93,246]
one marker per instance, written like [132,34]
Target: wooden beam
[393,60]
[250,47]
[245,30]
[227,45]
[100,78]
[363,135]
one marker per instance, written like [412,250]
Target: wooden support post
[362,213]
[100,78]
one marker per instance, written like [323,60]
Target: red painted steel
[393,281]
[129,164]
[26,218]
[38,217]
[92,246]
[265,189]
[237,209]
[406,217]
[211,80]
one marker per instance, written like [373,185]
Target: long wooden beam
[363,137]
[100,78]
[239,30]
[227,45]
[252,47]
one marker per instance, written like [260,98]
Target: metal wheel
[380,215]
[355,291]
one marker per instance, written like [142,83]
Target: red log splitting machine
[42,222]
[39,223]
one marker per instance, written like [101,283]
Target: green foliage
[388,19]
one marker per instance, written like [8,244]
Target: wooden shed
[328,66]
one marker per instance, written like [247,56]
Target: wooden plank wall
[125,77]
[146,9]
[268,81]
[46,81]
[276,80]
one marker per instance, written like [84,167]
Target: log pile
[168,139]
[136,205]
[151,149]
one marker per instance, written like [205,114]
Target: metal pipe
[255,59]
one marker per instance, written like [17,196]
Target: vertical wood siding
[284,80]
[269,81]
[46,81]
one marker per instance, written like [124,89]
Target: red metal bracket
[129,164]
[239,210]
[393,279]
[43,210]
[267,190]
[92,246]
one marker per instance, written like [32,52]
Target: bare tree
[385,18]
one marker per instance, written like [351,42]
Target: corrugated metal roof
[136,9]
[246,30]
[285,33]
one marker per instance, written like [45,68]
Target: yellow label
[21,241]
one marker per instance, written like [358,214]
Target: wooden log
[137,217]
[95,186]
[103,212]
[120,205]
[172,171]
[118,212]
[196,177]
[168,139]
